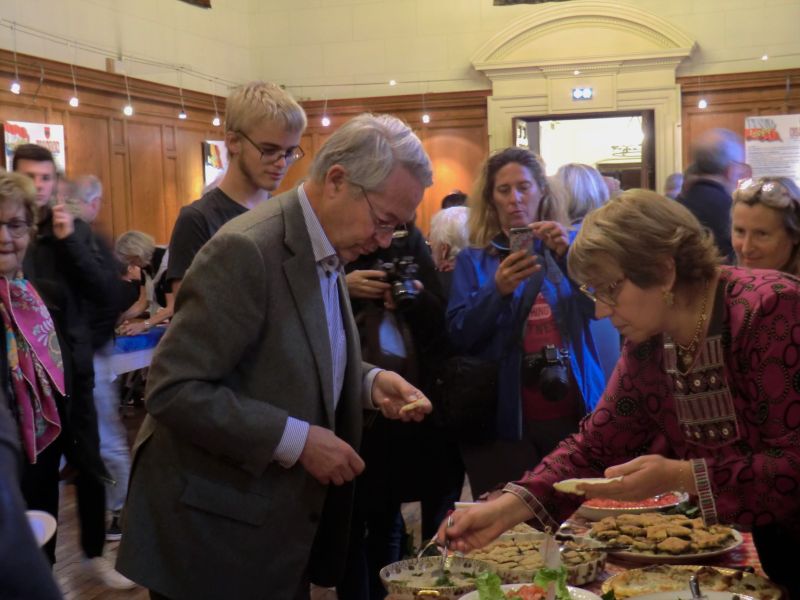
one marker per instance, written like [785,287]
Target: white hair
[449,226]
[369,147]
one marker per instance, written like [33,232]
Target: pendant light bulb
[74,102]
[16,87]
[326,122]
[216,122]
[702,104]
[128,110]
[426,118]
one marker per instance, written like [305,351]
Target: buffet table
[133,352]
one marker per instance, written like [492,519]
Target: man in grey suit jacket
[241,484]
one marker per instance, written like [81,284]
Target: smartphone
[520,238]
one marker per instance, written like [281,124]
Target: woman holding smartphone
[511,301]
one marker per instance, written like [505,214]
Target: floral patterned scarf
[34,362]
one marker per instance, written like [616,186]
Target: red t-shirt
[541,330]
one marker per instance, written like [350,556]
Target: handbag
[464,396]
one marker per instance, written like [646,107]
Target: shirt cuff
[292,442]
[369,380]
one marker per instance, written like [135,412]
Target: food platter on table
[419,576]
[675,578]
[574,593]
[515,557]
[657,538]
[595,509]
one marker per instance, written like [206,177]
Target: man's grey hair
[449,226]
[87,188]
[369,147]
[716,150]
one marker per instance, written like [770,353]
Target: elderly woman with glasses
[31,364]
[519,308]
[705,398]
[766,225]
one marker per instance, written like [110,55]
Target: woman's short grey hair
[449,226]
[369,147]
[136,243]
[257,101]
[584,188]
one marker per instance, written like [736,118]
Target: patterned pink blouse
[735,415]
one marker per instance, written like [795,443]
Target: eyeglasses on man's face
[16,227]
[606,294]
[272,154]
[381,225]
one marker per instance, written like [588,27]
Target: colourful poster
[43,134]
[772,145]
[215,160]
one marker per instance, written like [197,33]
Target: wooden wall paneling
[88,153]
[457,154]
[734,96]
[299,170]
[189,169]
[146,160]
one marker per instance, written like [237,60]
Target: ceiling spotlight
[16,87]
[765,57]
[216,121]
[426,118]
[74,102]
[702,103]
[326,122]
[182,115]
[128,110]
[392,82]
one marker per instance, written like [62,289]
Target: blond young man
[263,125]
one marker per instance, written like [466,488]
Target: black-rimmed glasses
[16,227]
[275,153]
[606,294]
[381,225]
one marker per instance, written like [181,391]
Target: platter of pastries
[657,538]
[675,578]
[516,558]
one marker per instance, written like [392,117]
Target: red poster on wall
[42,134]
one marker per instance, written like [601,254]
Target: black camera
[401,273]
[549,370]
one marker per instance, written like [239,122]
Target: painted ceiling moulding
[629,56]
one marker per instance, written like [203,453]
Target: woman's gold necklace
[687,353]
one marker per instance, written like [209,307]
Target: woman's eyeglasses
[16,227]
[606,294]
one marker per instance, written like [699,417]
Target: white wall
[350,48]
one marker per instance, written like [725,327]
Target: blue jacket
[485,324]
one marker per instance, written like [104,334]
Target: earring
[669,297]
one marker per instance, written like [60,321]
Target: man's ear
[336,176]
[233,143]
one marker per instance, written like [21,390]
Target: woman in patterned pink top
[704,399]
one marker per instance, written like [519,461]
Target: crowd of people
[291,403]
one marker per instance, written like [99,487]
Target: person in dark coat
[68,268]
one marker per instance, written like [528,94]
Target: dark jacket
[710,202]
[73,278]
[24,571]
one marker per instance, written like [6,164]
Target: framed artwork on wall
[42,134]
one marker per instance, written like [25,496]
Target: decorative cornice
[671,43]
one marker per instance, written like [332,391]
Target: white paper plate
[678,559]
[574,593]
[569,486]
[43,525]
[687,595]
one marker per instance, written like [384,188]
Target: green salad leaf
[490,587]
[609,595]
[545,576]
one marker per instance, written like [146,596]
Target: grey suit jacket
[209,513]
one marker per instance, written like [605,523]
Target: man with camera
[241,484]
[399,308]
